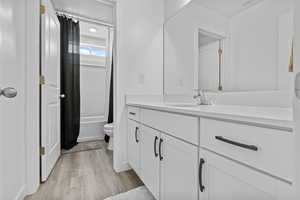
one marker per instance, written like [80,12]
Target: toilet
[109,130]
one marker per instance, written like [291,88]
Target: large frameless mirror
[217,45]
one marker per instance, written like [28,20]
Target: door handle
[62,96]
[8,92]
[201,186]
[136,138]
[159,150]
[155,142]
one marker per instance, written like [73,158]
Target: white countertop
[272,117]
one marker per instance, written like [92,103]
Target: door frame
[296,102]
[32,96]
[32,101]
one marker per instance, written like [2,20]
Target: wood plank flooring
[86,173]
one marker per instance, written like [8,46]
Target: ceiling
[228,8]
[96,9]
[101,31]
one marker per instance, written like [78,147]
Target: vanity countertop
[272,117]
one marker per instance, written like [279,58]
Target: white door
[50,101]
[150,159]
[224,179]
[12,110]
[179,169]
[133,145]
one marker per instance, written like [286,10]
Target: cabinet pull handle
[155,141]
[201,186]
[160,144]
[136,138]
[245,146]
[132,113]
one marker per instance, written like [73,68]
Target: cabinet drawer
[268,150]
[133,113]
[180,126]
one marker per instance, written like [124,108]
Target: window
[93,53]
[89,50]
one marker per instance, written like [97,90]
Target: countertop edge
[285,125]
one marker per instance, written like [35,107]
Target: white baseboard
[88,139]
[21,194]
[122,168]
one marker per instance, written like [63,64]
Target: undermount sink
[183,105]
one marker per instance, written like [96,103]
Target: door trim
[32,101]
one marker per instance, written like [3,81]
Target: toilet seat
[109,130]
[109,127]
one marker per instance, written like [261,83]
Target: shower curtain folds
[70,81]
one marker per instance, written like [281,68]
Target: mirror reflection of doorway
[210,61]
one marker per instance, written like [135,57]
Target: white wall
[173,6]
[254,45]
[144,48]
[93,85]
[139,62]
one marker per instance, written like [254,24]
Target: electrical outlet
[180,83]
[141,79]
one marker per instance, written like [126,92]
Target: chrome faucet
[201,98]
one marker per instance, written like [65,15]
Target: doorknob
[8,92]
[62,96]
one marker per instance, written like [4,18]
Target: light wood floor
[85,173]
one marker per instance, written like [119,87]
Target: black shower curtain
[70,81]
[111,99]
[111,96]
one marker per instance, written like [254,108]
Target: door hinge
[42,80]
[220,51]
[42,151]
[42,9]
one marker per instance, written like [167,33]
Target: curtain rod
[84,18]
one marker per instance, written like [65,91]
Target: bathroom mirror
[232,45]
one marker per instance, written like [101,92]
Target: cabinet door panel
[179,170]
[133,145]
[225,179]
[150,159]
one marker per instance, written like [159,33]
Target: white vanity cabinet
[133,145]
[179,170]
[198,157]
[168,166]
